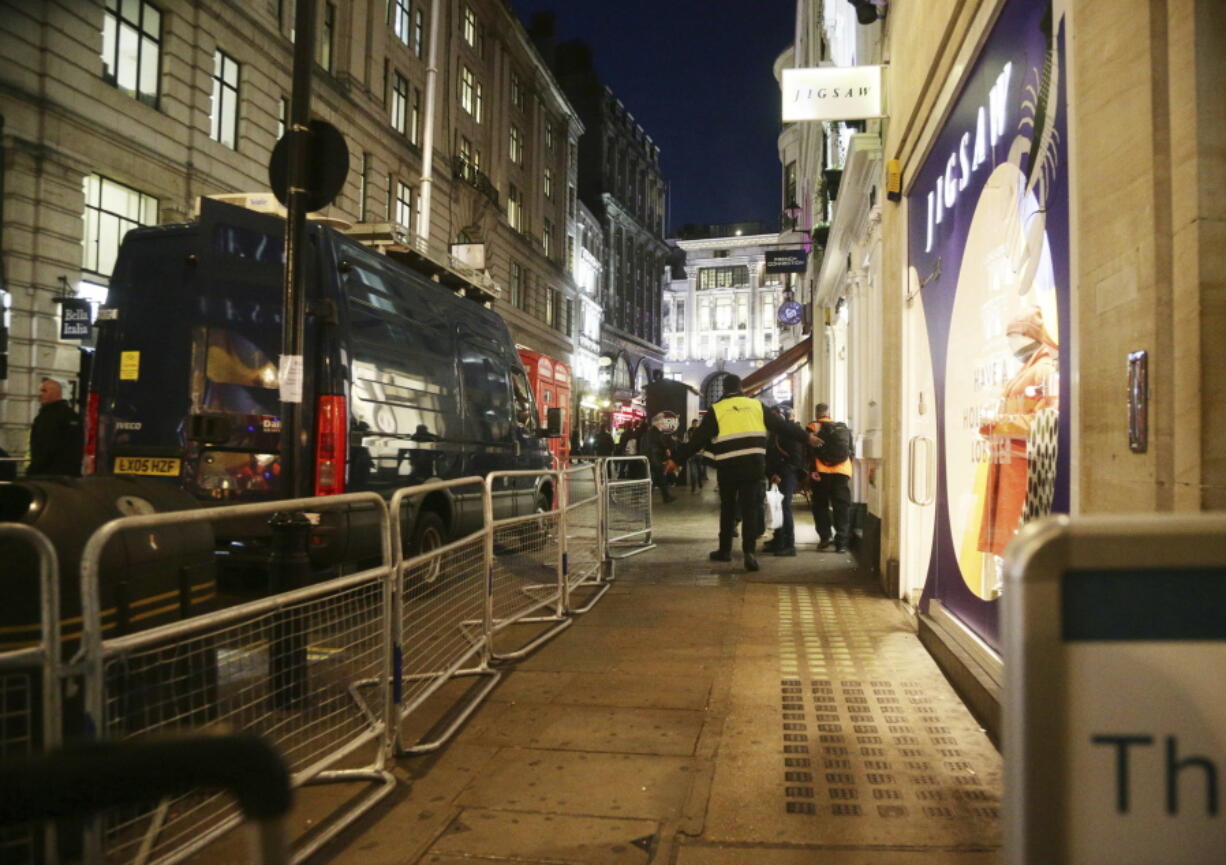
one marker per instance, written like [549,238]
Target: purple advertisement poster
[988,240]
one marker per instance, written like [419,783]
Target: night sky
[697,76]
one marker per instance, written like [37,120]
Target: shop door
[918,413]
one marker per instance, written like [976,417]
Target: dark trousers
[696,473]
[833,493]
[785,535]
[741,500]
[660,480]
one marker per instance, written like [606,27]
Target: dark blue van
[405,380]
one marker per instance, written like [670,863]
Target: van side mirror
[553,424]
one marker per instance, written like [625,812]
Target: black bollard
[289,569]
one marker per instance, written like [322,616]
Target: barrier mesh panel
[525,566]
[17,720]
[443,608]
[629,511]
[582,525]
[293,676]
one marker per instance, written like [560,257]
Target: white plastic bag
[774,508]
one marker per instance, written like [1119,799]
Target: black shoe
[751,562]
[840,548]
[720,556]
[826,544]
[785,551]
[769,546]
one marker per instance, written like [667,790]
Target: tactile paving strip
[870,731]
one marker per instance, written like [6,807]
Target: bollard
[289,569]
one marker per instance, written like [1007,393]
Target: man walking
[831,470]
[55,435]
[734,431]
[784,465]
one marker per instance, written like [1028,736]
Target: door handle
[925,445]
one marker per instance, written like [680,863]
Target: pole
[427,137]
[290,373]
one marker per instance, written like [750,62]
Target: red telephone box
[550,383]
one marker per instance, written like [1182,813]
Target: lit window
[517,145]
[419,32]
[548,182]
[399,10]
[131,45]
[517,285]
[470,93]
[549,137]
[515,207]
[404,205]
[111,209]
[547,238]
[223,115]
[282,116]
[470,26]
[400,99]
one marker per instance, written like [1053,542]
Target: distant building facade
[621,183]
[720,312]
[104,138]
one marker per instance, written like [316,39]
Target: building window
[679,324]
[223,116]
[517,285]
[131,47]
[547,182]
[547,238]
[551,304]
[515,208]
[470,93]
[517,91]
[789,186]
[329,35]
[469,26]
[282,116]
[399,10]
[415,118]
[549,137]
[742,313]
[419,32]
[404,205]
[363,188]
[517,145]
[400,101]
[723,277]
[110,210]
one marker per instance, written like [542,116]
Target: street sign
[327,166]
[75,318]
[786,260]
[1115,695]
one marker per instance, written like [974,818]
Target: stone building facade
[122,114]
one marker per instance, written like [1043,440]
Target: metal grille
[29,698]
[294,675]
[526,567]
[583,553]
[628,505]
[442,600]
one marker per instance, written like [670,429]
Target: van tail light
[331,447]
[89,463]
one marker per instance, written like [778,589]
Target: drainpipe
[427,138]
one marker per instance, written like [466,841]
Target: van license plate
[161,466]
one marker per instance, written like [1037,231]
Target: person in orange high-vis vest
[831,491]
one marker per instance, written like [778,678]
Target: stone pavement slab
[554,838]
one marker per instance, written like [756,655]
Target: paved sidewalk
[700,715]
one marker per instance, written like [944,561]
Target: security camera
[868,11]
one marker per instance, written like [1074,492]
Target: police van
[405,381]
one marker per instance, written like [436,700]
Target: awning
[788,362]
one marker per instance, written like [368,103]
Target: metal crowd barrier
[323,670]
[628,523]
[30,694]
[306,670]
[525,552]
[585,564]
[440,615]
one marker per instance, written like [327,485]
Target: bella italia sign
[832,93]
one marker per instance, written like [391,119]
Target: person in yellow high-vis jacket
[734,432]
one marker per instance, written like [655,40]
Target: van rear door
[233,427]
